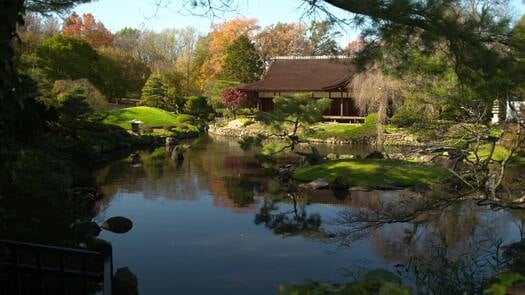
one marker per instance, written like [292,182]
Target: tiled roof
[305,74]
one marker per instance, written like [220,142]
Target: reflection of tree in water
[241,190]
[289,219]
[444,247]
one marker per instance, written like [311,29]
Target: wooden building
[319,75]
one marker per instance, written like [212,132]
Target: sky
[143,14]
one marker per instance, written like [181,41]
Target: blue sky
[117,14]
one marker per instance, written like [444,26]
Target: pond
[217,224]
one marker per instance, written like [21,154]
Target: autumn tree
[322,38]
[89,29]
[221,36]
[242,63]
[234,99]
[34,30]
[281,39]
[355,46]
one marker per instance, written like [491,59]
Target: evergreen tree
[242,62]
[154,92]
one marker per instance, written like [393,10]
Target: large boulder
[331,156]
[318,184]
[118,225]
[125,282]
[340,183]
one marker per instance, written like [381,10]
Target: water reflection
[184,232]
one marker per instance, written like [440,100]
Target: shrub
[94,98]
[73,105]
[406,117]
[196,105]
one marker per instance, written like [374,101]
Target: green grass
[346,131]
[152,117]
[375,173]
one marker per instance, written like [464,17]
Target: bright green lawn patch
[152,117]
[375,173]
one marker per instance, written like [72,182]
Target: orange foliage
[224,34]
[282,39]
[88,28]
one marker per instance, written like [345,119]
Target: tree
[127,39]
[355,46]
[34,30]
[73,106]
[196,106]
[242,63]
[215,91]
[233,98]
[65,57]
[52,6]
[373,91]
[322,38]
[281,39]
[154,92]
[123,74]
[89,29]
[63,88]
[221,36]
[291,115]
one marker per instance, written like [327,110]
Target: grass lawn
[375,173]
[152,117]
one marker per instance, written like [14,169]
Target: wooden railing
[27,268]
[350,119]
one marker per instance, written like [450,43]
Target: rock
[170,141]
[331,156]
[176,154]
[340,183]
[118,225]
[375,155]
[318,184]
[346,157]
[125,282]
[420,188]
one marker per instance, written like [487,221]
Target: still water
[215,225]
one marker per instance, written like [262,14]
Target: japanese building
[320,76]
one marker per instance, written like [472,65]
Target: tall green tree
[63,57]
[242,62]
[154,92]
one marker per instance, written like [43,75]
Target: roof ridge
[311,57]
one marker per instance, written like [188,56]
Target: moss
[375,173]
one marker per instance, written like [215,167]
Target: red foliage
[88,28]
[233,97]
[355,46]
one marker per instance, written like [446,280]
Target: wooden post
[341,106]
